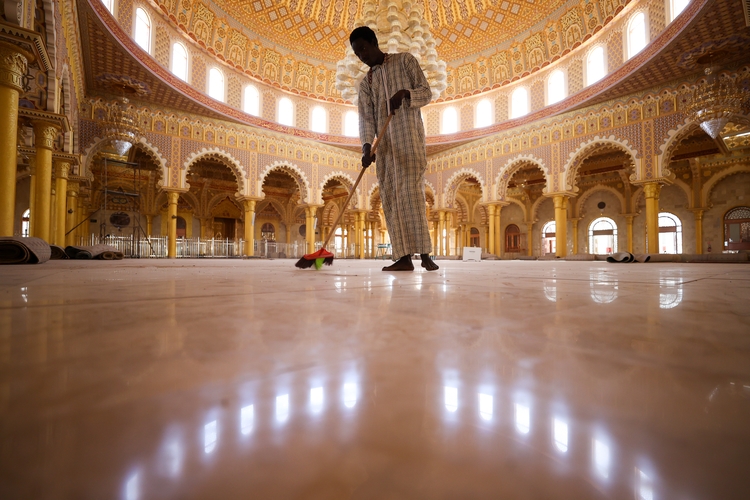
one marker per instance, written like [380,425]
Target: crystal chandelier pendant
[121,126]
[401,27]
[713,101]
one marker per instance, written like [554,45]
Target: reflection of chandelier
[121,127]
[715,100]
[401,27]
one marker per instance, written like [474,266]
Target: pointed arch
[451,186]
[671,143]
[599,187]
[512,166]
[586,149]
[342,177]
[709,186]
[98,144]
[223,157]
[330,212]
[521,205]
[294,171]
[218,198]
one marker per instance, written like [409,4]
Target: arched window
[670,233]
[351,124]
[181,227]
[483,116]
[268,232]
[556,87]
[216,84]
[25,222]
[603,287]
[179,61]
[519,102]
[110,5]
[676,7]
[512,239]
[286,112]
[602,236]
[737,229]
[319,121]
[549,242]
[143,29]
[251,101]
[636,34]
[595,69]
[449,121]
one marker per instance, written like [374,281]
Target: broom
[323,256]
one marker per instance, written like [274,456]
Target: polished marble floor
[493,380]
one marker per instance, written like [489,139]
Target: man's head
[365,46]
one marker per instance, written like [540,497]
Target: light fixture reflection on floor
[247,416]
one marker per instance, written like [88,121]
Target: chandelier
[121,123]
[401,27]
[715,100]
[121,126]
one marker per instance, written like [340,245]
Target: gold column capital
[173,197]
[652,190]
[14,62]
[62,169]
[45,134]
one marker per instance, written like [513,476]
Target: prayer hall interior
[212,143]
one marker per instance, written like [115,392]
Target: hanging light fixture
[121,123]
[401,27]
[715,100]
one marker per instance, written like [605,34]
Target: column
[82,233]
[13,65]
[52,212]
[652,191]
[150,225]
[498,232]
[698,214]
[61,189]
[530,239]
[362,226]
[575,235]
[310,229]
[71,215]
[491,224]
[249,206]
[435,239]
[629,229]
[44,139]
[172,198]
[32,192]
[448,226]
[441,229]
[561,225]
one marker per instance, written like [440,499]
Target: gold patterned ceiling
[320,28]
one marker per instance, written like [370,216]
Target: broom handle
[359,178]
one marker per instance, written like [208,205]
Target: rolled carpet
[620,257]
[58,253]
[17,250]
[102,252]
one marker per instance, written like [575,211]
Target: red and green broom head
[316,259]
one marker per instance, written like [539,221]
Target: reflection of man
[401,151]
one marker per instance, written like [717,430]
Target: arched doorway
[181,227]
[474,237]
[670,233]
[549,242]
[602,236]
[737,229]
[25,222]
[268,232]
[512,239]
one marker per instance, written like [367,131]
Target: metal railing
[156,247]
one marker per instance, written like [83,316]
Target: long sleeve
[421,95]
[367,118]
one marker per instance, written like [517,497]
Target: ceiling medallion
[715,100]
[401,27]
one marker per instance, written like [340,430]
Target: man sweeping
[396,82]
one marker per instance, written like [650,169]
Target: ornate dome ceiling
[319,28]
